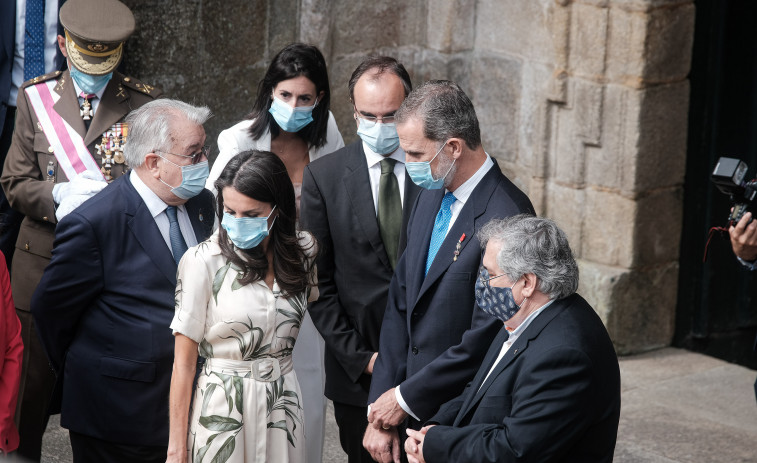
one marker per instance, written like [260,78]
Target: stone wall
[583,103]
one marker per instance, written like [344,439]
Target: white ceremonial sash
[69,148]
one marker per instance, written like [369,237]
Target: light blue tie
[34,39]
[440,228]
[178,245]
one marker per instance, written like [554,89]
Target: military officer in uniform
[66,147]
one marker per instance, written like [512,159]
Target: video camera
[728,176]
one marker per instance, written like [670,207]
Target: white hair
[534,245]
[150,127]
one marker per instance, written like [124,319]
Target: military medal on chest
[111,148]
[85,110]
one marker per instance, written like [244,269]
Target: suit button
[44,218]
[415,350]
[26,246]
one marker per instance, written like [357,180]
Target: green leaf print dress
[247,403]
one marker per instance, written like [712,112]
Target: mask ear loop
[432,160]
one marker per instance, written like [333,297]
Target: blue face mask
[193,179]
[498,302]
[246,232]
[88,83]
[381,138]
[291,119]
[420,173]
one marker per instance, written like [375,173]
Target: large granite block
[637,305]
[588,42]
[450,25]
[663,124]
[609,228]
[360,27]
[516,27]
[495,92]
[650,47]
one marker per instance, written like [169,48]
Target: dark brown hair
[380,64]
[262,176]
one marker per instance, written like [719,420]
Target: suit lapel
[358,185]
[427,207]
[465,223]
[486,365]
[411,194]
[201,215]
[142,225]
[113,106]
[67,106]
[517,349]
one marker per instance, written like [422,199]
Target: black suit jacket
[553,397]
[353,267]
[432,339]
[103,310]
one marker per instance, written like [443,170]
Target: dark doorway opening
[717,299]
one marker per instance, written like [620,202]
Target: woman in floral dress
[240,299]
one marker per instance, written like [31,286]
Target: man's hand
[386,411]
[369,368]
[744,238]
[70,195]
[414,444]
[382,444]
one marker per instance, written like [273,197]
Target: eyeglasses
[386,119]
[483,275]
[204,151]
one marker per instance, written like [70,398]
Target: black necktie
[389,210]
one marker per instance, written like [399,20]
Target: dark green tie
[389,210]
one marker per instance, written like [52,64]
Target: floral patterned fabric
[247,404]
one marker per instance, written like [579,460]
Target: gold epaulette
[141,87]
[42,78]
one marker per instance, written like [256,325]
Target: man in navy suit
[432,340]
[105,302]
[549,387]
[359,244]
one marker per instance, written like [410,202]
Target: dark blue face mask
[498,302]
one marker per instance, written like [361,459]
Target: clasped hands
[381,438]
[70,195]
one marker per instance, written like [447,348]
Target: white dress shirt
[51,43]
[157,209]
[463,192]
[95,102]
[374,171]
[514,335]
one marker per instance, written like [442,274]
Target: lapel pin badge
[458,247]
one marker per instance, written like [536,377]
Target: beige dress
[247,403]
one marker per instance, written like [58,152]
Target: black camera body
[728,176]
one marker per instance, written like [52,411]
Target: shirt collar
[517,331]
[374,158]
[463,192]
[153,202]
